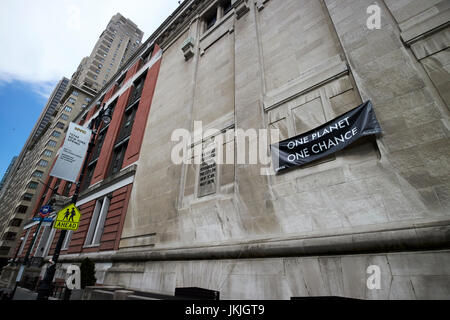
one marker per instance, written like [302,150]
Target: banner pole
[45,286]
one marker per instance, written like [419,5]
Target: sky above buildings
[44,40]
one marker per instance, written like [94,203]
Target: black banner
[327,139]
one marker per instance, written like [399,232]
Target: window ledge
[91,246]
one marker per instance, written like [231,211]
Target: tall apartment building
[22,194]
[48,111]
[116,44]
[151,224]
[65,103]
[43,121]
[7,173]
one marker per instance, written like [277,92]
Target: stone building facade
[382,204]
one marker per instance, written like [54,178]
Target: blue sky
[20,107]
[39,49]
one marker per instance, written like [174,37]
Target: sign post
[43,213]
[78,145]
[68,219]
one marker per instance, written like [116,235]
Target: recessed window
[43,163]
[75,93]
[117,158]
[226,5]
[68,109]
[47,153]
[56,134]
[210,18]
[67,189]
[22,209]
[72,100]
[88,178]
[33,185]
[64,117]
[97,224]
[67,240]
[60,125]
[52,143]
[27,197]
[15,222]
[38,174]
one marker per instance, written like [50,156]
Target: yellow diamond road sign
[68,218]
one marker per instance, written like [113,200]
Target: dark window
[117,158]
[127,124]
[88,177]
[138,87]
[83,119]
[15,222]
[22,209]
[67,189]
[210,19]
[33,185]
[10,236]
[27,197]
[99,144]
[146,56]
[120,81]
[55,189]
[226,5]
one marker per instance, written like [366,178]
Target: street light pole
[45,286]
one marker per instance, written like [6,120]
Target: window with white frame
[66,241]
[96,227]
[49,242]
[43,246]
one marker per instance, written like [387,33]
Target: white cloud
[44,40]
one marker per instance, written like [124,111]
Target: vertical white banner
[72,153]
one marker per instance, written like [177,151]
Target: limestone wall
[294,65]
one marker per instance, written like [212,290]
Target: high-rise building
[117,43]
[21,186]
[21,193]
[48,111]
[7,173]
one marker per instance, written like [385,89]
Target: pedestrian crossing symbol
[68,218]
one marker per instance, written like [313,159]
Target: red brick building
[108,180]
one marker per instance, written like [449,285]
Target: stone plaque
[208,172]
